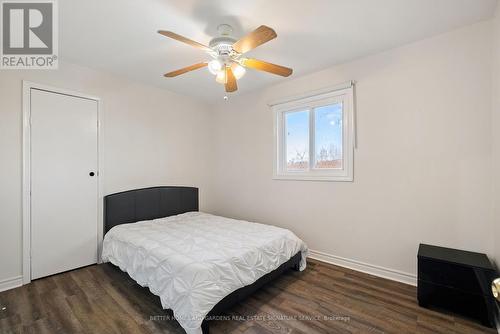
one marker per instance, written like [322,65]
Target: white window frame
[309,102]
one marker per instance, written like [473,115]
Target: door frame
[26,183]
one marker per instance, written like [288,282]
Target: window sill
[323,178]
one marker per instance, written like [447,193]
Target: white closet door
[64,195]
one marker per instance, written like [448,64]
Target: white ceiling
[119,36]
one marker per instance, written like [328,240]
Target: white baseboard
[371,269]
[11,283]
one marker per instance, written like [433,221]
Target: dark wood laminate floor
[330,299]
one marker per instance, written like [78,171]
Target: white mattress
[193,260]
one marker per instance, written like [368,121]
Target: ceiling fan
[228,61]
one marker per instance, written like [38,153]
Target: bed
[197,263]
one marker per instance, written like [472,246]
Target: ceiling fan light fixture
[238,71]
[214,66]
[221,77]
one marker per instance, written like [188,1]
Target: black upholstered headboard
[148,203]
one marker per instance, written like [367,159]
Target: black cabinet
[457,281]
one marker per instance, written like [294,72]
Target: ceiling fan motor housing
[223,45]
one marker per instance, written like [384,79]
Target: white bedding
[193,260]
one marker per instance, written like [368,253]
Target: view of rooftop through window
[328,132]
[327,138]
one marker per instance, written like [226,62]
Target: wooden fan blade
[231,85]
[257,37]
[184,70]
[267,67]
[184,40]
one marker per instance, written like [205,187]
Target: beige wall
[496,135]
[422,166]
[151,137]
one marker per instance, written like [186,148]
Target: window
[314,137]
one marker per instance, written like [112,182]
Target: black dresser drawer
[467,304]
[448,274]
